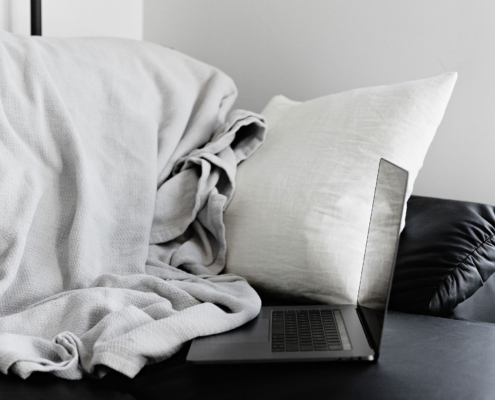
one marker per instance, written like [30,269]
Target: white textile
[304,199]
[117,160]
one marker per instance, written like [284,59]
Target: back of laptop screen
[381,246]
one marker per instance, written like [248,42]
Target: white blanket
[117,160]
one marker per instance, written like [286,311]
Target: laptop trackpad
[255,331]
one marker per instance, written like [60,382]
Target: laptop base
[252,342]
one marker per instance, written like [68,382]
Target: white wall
[5,13]
[117,18]
[309,48]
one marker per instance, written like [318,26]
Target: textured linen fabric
[117,160]
[298,223]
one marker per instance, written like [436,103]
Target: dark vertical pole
[36,17]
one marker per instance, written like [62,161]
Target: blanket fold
[117,161]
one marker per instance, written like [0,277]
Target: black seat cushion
[421,357]
[446,253]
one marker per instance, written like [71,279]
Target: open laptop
[326,332]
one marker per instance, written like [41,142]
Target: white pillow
[298,221]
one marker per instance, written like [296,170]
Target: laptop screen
[381,247]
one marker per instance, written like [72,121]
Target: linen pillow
[298,222]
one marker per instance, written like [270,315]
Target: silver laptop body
[326,332]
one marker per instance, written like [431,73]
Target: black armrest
[446,254]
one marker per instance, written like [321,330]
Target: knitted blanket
[117,160]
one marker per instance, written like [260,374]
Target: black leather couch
[439,339]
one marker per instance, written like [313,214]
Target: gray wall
[118,18]
[309,48]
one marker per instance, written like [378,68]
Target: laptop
[326,332]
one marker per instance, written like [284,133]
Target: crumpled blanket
[117,160]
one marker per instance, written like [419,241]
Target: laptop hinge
[367,332]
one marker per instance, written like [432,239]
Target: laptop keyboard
[305,330]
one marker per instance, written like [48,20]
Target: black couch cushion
[420,359]
[480,306]
[446,253]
